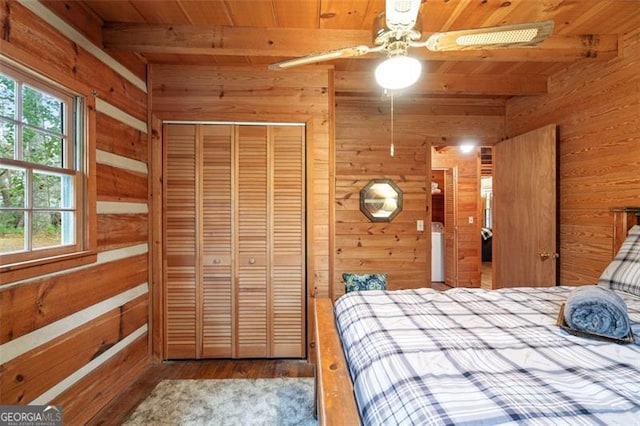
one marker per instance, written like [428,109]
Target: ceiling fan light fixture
[398,72]
[498,37]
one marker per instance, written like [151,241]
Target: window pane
[39,208]
[68,232]
[12,185]
[42,110]
[47,190]
[68,193]
[46,229]
[41,148]
[11,231]
[7,97]
[7,139]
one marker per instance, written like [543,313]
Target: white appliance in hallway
[437,252]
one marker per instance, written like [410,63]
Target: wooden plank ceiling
[259,32]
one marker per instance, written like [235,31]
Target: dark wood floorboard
[487,276]
[121,407]
[485,283]
[439,286]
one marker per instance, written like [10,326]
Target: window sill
[34,268]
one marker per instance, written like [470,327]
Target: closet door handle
[252,261]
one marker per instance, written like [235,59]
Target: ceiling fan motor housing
[383,35]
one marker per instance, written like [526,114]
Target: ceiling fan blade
[347,52]
[528,34]
[401,14]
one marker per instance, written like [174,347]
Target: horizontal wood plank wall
[362,153]
[79,337]
[256,94]
[597,109]
[90,25]
[468,199]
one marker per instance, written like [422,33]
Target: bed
[469,356]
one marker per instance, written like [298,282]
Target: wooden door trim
[452,227]
[164,343]
[156,240]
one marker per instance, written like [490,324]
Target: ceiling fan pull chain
[391,147]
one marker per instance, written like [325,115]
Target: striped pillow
[623,273]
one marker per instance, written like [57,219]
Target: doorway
[462,210]
[444,235]
[438,222]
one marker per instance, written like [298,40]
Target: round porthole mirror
[380,200]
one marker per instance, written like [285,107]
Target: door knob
[252,261]
[546,255]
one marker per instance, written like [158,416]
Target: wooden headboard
[623,219]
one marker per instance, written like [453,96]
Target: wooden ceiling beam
[450,84]
[294,42]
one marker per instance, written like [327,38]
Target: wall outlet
[420,225]
[470,219]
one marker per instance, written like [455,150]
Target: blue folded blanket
[596,309]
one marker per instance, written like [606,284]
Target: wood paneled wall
[362,153]
[597,109]
[244,94]
[468,205]
[78,337]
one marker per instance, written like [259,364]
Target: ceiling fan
[397,29]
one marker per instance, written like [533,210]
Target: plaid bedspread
[468,356]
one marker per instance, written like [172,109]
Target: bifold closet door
[234,223]
[288,271]
[270,278]
[216,241]
[180,275]
[198,223]
[252,197]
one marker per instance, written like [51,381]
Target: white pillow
[623,273]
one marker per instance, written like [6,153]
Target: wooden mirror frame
[380,200]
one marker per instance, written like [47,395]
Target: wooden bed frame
[335,401]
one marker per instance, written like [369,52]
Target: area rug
[230,402]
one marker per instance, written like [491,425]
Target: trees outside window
[39,169]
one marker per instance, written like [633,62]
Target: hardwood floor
[485,282]
[487,276]
[439,286]
[120,408]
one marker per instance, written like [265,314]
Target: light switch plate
[420,225]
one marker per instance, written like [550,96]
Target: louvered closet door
[216,241]
[252,339]
[287,242]
[235,226]
[180,236]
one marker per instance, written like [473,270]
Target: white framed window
[41,169]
